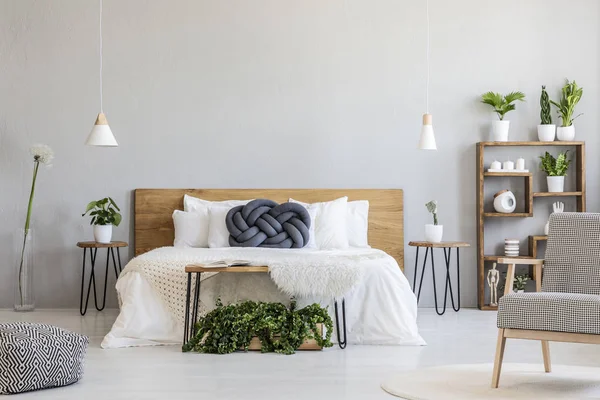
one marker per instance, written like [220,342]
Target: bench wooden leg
[498,360]
[546,354]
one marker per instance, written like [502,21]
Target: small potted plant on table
[570,96]
[556,168]
[502,105]
[520,283]
[546,129]
[433,232]
[105,214]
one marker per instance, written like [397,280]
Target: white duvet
[380,306]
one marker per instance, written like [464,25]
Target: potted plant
[433,232]
[105,214]
[556,168]
[570,96]
[502,105]
[546,129]
[519,283]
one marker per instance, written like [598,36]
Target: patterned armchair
[566,307]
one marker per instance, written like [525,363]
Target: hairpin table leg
[423,272]
[341,342]
[187,309]
[196,304]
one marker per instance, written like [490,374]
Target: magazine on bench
[226,263]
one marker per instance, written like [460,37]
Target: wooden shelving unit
[482,215]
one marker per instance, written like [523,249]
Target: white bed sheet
[381,310]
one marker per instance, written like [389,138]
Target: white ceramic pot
[546,133]
[500,131]
[434,233]
[547,228]
[566,133]
[556,184]
[103,233]
[519,291]
[505,202]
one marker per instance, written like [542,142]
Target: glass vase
[24,296]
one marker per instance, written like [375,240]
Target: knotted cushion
[39,356]
[264,223]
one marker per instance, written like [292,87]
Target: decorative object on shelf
[520,283]
[505,202]
[433,232]
[24,296]
[493,278]
[520,166]
[546,129]
[511,247]
[570,95]
[280,329]
[502,105]
[557,207]
[427,137]
[101,134]
[495,165]
[105,214]
[556,168]
[508,165]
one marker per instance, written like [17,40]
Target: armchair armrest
[510,272]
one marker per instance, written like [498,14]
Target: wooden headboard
[154,209]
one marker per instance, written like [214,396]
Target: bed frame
[154,209]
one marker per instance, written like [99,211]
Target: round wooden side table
[110,252]
[447,246]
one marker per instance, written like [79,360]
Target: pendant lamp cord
[428,50]
[101,109]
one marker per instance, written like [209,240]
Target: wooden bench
[192,303]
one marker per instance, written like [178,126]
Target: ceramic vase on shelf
[24,296]
[566,133]
[546,133]
[505,202]
[434,233]
[500,131]
[103,233]
[556,184]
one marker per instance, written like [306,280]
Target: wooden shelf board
[537,238]
[534,143]
[511,215]
[495,258]
[487,307]
[522,174]
[557,194]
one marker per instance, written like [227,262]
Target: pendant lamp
[427,138]
[101,135]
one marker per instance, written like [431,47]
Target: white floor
[355,373]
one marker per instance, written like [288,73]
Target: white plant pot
[556,184]
[566,133]
[505,202]
[546,133]
[500,131]
[434,233]
[547,228]
[103,233]
[519,291]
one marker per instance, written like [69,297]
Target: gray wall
[191,85]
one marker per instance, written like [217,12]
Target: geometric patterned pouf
[39,356]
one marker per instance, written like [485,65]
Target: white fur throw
[296,272]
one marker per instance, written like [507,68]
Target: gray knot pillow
[264,223]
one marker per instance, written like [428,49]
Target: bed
[381,310]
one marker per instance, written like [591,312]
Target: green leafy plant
[520,282]
[570,96]
[502,104]
[432,208]
[545,109]
[103,212]
[555,166]
[280,329]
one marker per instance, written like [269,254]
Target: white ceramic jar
[505,202]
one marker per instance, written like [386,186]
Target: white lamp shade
[101,135]
[427,139]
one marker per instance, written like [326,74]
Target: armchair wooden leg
[498,360]
[546,354]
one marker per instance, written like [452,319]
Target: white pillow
[191,229]
[329,222]
[358,223]
[218,235]
[194,204]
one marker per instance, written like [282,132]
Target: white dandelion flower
[42,153]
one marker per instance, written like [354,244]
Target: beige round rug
[518,381]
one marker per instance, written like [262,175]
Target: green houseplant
[280,329]
[433,232]
[501,104]
[546,129]
[556,168]
[571,94]
[520,283]
[105,214]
